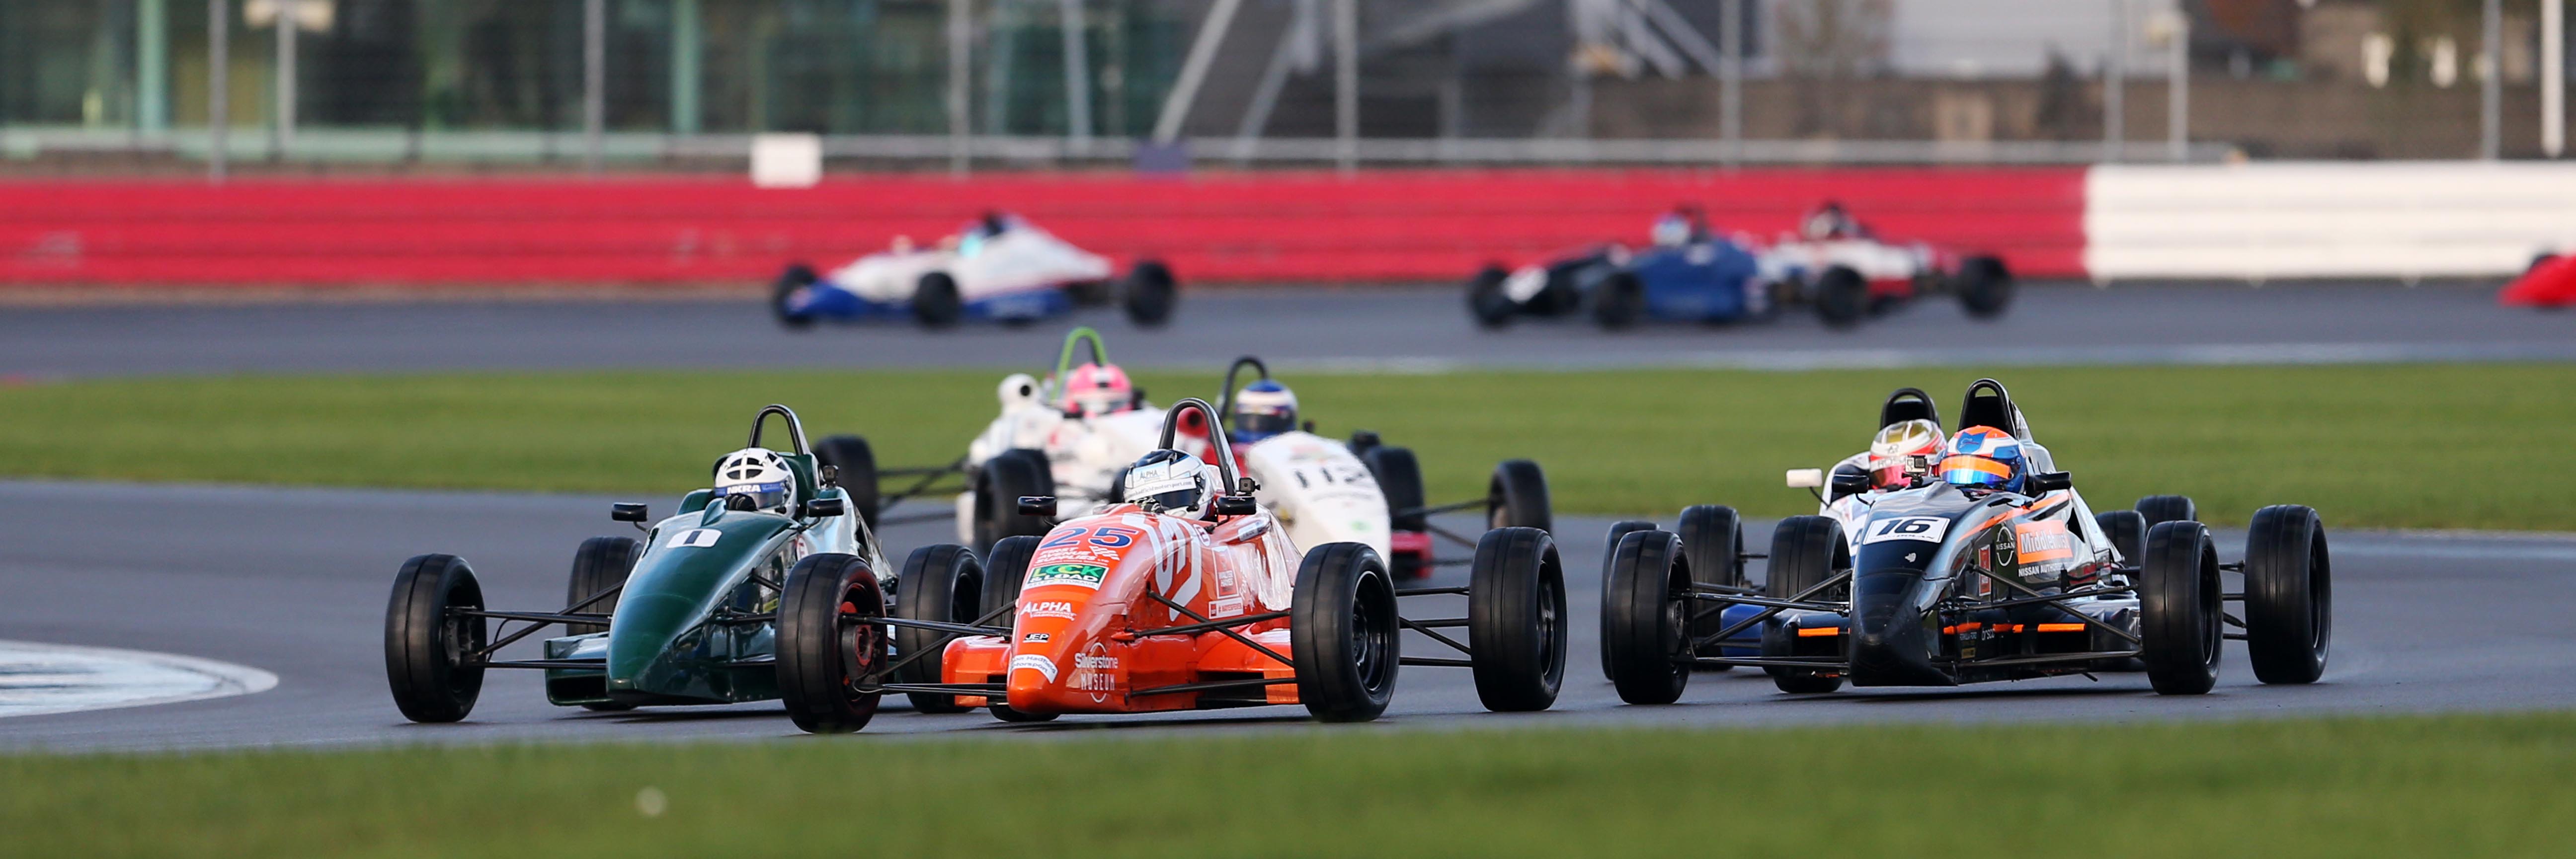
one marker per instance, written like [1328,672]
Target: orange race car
[1182,595]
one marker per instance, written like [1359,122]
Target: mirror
[824,508]
[1806,478]
[1235,505]
[2051,481]
[627,512]
[1037,505]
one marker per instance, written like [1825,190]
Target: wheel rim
[460,637]
[1551,630]
[1677,637]
[2213,609]
[1371,637]
[859,642]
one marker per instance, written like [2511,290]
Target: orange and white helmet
[1904,452]
[1097,389]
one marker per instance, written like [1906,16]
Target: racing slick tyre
[2160,509]
[1342,633]
[1004,569]
[1516,620]
[1985,287]
[1619,301]
[1805,551]
[944,584]
[1399,477]
[1713,549]
[1609,553]
[936,303]
[1645,620]
[1517,497]
[2179,609]
[2289,606]
[828,645]
[797,276]
[600,564]
[1485,299]
[425,647]
[1151,292]
[999,485]
[855,465]
[2128,532]
[1842,297]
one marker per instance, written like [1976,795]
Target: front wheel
[1618,301]
[1517,497]
[2128,532]
[429,648]
[1985,287]
[999,485]
[1645,621]
[1342,633]
[1151,293]
[1516,620]
[854,466]
[944,584]
[1805,552]
[1609,555]
[2179,609]
[598,567]
[1486,301]
[2289,605]
[1842,297]
[936,302]
[1713,549]
[830,647]
[786,297]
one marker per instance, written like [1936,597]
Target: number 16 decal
[1925,528]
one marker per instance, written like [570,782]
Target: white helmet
[1171,482]
[758,474]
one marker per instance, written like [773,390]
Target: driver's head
[1904,452]
[1827,221]
[1983,458]
[1672,230]
[755,478]
[1171,482]
[1097,389]
[1263,409]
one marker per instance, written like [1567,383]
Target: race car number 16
[1926,528]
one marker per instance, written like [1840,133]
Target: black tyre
[1004,569]
[2289,595]
[1985,287]
[856,465]
[1619,301]
[1399,476]
[1842,297]
[999,485]
[1485,299]
[426,648]
[783,291]
[1516,619]
[1713,549]
[1645,621]
[1805,551]
[600,564]
[2128,532]
[936,303]
[1151,292]
[1517,497]
[2160,509]
[944,584]
[829,647]
[1609,553]
[1342,633]
[2179,609]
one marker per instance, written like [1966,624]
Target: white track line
[57,678]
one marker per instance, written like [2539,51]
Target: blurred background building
[127,85]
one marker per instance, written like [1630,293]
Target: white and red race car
[998,268]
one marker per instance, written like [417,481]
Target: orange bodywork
[1080,640]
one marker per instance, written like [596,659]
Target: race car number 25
[1925,528]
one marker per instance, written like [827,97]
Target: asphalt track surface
[294,581]
[1382,329]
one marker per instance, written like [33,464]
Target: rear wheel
[2128,532]
[1517,497]
[427,648]
[1645,620]
[1713,549]
[1485,299]
[1004,569]
[1516,620]
[936,301]
[600,564]
[1985,287]
[782,297]
[1399,478]
[1151,292]
[999,485]
[1842,297]
[2160,509]
[1342,633]
[1619,300]
[1805,551]
[2179,609]
[1609,553]
[944,584]
[2289,607]
[855,468]
[829,645]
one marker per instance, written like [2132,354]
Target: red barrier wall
[1278,227]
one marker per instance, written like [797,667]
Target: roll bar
[1216,437]
[1907,404]
[795,428]
[1084,334]
[1225,395]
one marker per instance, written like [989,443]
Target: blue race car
[1688,275]
[999,268]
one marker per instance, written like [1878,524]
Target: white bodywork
[1319,490]
[1022,258]
[1800,259]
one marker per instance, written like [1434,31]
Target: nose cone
[1890,644]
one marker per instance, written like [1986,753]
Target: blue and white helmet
[1263,409]
[758,475]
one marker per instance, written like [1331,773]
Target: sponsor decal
[1034,662]
[1037,638]
[1928,529]
[2043,541]
[1225,607]
[1078,575]
[1048,608]
[694,538]
[1096,672]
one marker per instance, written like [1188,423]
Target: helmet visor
[1967,470]
[1263,422]
[763,496]
[1163,496]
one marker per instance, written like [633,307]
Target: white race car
[999,268]
[1850,276]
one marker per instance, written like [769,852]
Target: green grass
[2470,446]
[2458,786]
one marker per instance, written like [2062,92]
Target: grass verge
[2450,446]
[2457,786]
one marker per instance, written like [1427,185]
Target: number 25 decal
[1108,537]
[1925,528]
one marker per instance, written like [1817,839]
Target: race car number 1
[1925,528]
[694,538]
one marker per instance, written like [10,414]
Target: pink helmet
[1098,389]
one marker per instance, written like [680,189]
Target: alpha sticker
[694,538]
[1048,608]
[1928,529]
[1078,575]
[1034,662]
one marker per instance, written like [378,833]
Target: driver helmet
[1904,452]
[755,478]
[1827,221]
[1263,409]
[1984,457]
[1675,229]
[1097,389]
[1172,483]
